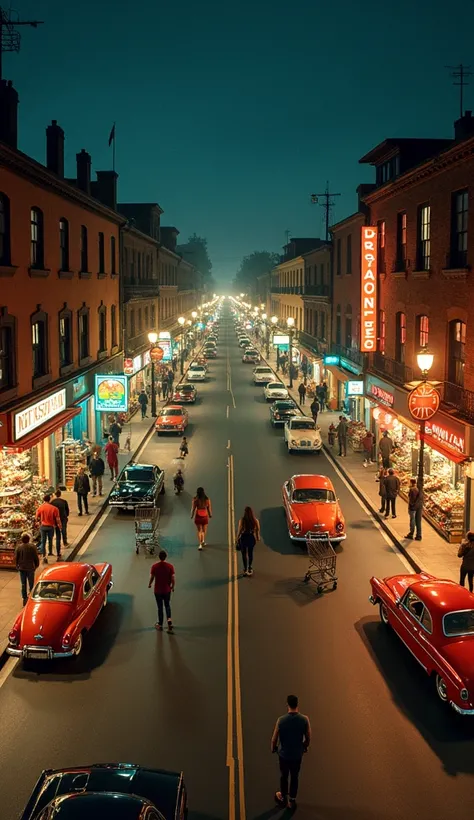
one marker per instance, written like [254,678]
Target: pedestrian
[183,448]
[331,434]
[82,489]
[174,363]
[165,387]
[315,407]
[382,489]
[392,488]
[367,447]
[302,392]
[115,430]
[162,573]
[291,738]
[49,519]
[27,561]
[143,402]
[341,431]
[385,449]
[170,379]
[111,451]
[97,470]
[158,387]
[61,504]
[415,509]
[201,511]
[248,534]
[466,552]
[320,395]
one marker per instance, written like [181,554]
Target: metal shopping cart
[322,561]
[146,528]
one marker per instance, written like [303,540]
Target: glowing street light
[153,338]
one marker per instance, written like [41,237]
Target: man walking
[367,446]
[115,430]
[341,430]
[314,407]
[385,449]
[49,519]
[415,509]
[97,470]
[111,451]
[27,561]
[165,385]
[143,402]
[170,380]
[63,507]
[291,738]
[302,392]
[392,487]
[82,489]
[162,573]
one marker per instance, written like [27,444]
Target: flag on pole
[112,135]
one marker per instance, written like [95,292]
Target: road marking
[7,669]
[227,413]
[230,762]
[228,443]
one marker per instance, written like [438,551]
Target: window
[113,324]
[424,244]
[102,328]
[65,337]
[413,604]
[84,249]
[146,318]
[338,325]
[39,342]
[113,262]
[381,247]
[152,317]
[459,220]
[139,320]
[400,336]
[338,257]
[139,268]
[401,261]
[84,332]
[349,254]
[132,323]
[456,352]
[7,351]
[423,330]
[36,238]
[101,253]
[4,230]
[348,339]
[63,244]
[322,325]
[382,331]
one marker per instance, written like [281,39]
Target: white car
[303,435]
[196,373]
[263,375]
[275,390]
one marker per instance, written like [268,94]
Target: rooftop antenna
[10,38]
[327,204]
[460,72]
[287,237]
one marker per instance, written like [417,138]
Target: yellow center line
[230,762]
[237,682]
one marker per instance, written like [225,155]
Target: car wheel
[383,614]
[163,490]
[78,646]
[441,688]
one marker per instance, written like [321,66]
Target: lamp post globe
[425,363]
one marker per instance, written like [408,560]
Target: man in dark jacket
[27,560]
[97,470]
[302,392]
[341,431]
[314,407]
[82,489]
[385,449]
[143,402]
[415,509]
[392,487]
[63,508]
[115,430]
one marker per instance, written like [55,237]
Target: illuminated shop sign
[368,289]
[31,418]
[332,360]
[347,365]
[381,395]
[137,363]
[446,436]
[128,367]
[111,393]
[165,345]
[355,388]
[281,339]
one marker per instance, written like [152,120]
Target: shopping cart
[322,561]
[146,528]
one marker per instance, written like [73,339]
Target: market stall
[21,493]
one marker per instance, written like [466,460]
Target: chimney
[55,149]
[362,191]
[105,189]
[83,161]
[8,114]
[464,127]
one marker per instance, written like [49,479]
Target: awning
[27,442]
[343,375]
[447,452]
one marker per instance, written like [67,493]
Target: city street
[383,745]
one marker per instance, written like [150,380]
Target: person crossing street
[291,738]
[163,575]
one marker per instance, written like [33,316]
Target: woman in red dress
[111,451]
[201,511]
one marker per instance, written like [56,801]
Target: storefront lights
[264,316]
[290,321]
[194,314]
[181,320]
[274,320]
[152,337]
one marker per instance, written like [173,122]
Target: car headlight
[277,415]
[464,694]
[339,526]
[293,441]
[296,526]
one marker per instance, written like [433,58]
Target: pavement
[205,699]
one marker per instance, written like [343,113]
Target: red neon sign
[368,311]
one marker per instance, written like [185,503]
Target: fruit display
[355,434]
[21,493]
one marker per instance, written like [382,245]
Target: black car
[281,411]
[138,484]
[120,790]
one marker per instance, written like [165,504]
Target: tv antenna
[460,72]
[327,204]
[10,39]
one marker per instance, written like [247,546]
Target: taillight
[13,637]
[277,415]
[339,526]
[66,641]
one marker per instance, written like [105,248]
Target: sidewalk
[433,554]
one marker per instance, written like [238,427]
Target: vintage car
[63,605]
[185,393]
[263,374]
[302,434]
[210,352]
[172,419]
[244,343]
[197,373]
[275,390]
[311,506]
[282,411]
[435,620]
[122,790]
[137,484]
[251,356]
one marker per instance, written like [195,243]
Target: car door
[287,490]
[416,627]
[93,595]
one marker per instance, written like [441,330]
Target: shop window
[36,238]
[424,238]
[4,230]
[102,329]
[338,325]
[63,244]
[113,324]
[146,318]
[39,343]
[459,220]
[400,336]
[7,351]
[322,325]
[83,317]
[456,352]
[65,337]
[348,339]
[113,259]
[338,257]
[382,331]
[132,323]
[101,253]
[139,320]
[381,247]
[349,254]
[153,317]
[423,330]
[84,250]
[401,260]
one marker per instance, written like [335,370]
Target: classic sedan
[172,419]
[210,352]
[275,390]
[251,356]
[303,435]
[65,602]
[245,343]
[138,484]
[122,790]
[263,375]
[311,505]
[185,393]
[435,620]
[282,411]
[197,373]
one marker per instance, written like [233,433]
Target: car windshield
[459,623]
[137,474]
[185,388]
[172,411]
[260,371]
[281,406]
[313,494]
[276,386]
[197,369]
[303,425]
[53,591]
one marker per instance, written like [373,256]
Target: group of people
[163,388]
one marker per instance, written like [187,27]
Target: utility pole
[9,38]
[287,237]
[460,72]
[327,204]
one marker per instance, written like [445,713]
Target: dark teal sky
[231,115]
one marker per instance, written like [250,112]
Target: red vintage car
[311,506]
[64,603]
[171,419]
[435,621]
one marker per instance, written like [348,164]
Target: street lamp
[194,315]
[274,321]
[181,322]
[424,360]
[291,329]
[153,338]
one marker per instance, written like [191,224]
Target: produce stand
[20,495]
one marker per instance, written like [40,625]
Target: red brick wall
[346,287]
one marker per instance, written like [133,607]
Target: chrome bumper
[336,540]
[460,710]
[23,653]
[372,600]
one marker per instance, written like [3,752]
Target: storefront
[344,386]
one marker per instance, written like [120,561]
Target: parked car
[251,355]
[172,419]
[210,353]
[303,435]
[138,484]
[185,393]
[282,411]
[311,505]
[245,343]
[197,373]
[63,606]
[263,375]
[275,390]
[122,790]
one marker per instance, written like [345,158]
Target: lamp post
[274,321]
[424,360]
[267,335]
[181,322]
[153,338]
[291,329]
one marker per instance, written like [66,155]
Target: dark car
[281,411]
[116,790]
[138,484]
[185,393]
[209,353]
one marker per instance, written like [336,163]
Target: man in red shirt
[162,573]
[49,519]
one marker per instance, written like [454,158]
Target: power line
[460,72]
[327,204]
[10,39]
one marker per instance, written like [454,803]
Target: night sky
[230,115]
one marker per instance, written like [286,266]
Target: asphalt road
[383,746]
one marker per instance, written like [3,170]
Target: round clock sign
[423,402]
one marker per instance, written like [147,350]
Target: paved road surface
[383,747]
